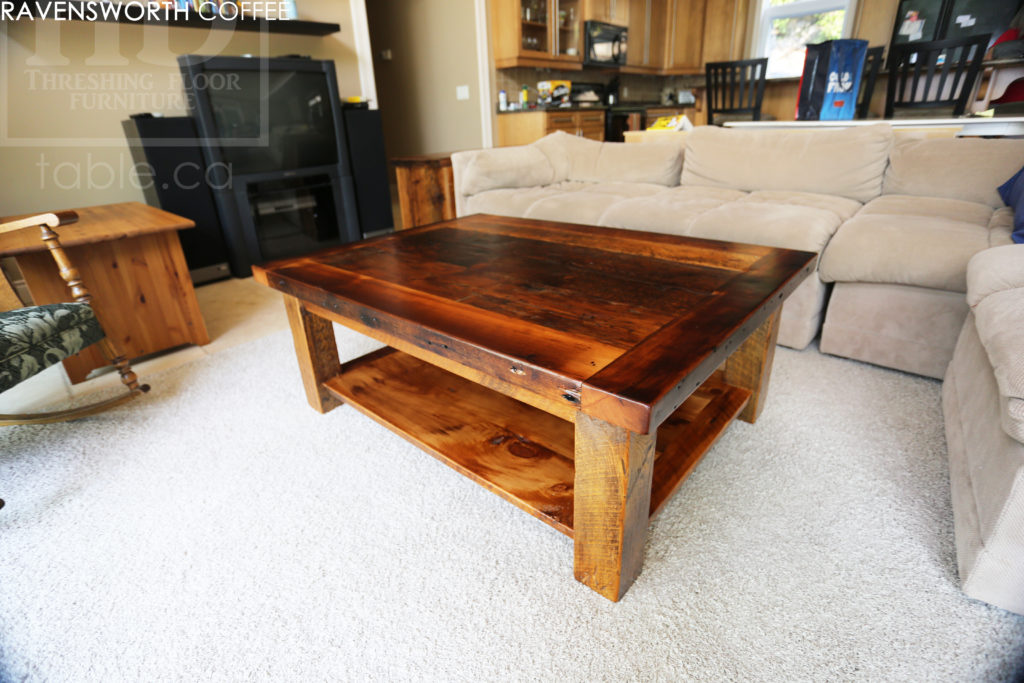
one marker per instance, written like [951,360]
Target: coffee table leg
[612,500]
[750,366]
[317,351]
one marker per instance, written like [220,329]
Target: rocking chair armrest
[51,220]
[46,222]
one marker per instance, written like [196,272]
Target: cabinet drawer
[593,132]
[566,122]
[592,119]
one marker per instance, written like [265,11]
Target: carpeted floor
[220,529]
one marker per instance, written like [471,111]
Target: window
[785,27]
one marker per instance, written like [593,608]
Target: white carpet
[220,529]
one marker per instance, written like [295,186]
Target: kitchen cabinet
[725,30]
[684,29]
[646,51]
[522,128]
[537,33]
[610,11]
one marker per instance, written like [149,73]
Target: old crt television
[266,115]
[274,142]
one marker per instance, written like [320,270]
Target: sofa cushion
[571,157]
[842,207]
[846,162]
[507,202]
[970,169]
[621,189]
[932,207]
[502,167]
[651,163]
[910,241]
[771,224]
[572,207]
[996,295]
[669,211]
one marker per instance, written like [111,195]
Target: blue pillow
[1012,192]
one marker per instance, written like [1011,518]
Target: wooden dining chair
[937,73]
[736,87]
[35,337]
[868,77]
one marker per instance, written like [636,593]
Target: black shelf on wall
[252,24]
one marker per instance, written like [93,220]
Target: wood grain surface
[426,189]
[316,351]
[614,469]
[620,324]
[97,224]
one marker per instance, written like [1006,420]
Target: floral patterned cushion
[32,339]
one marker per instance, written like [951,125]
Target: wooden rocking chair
[34,338]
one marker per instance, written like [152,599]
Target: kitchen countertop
[621,106]
[596,107]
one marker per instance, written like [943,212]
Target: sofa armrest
[994,270]
[481,170]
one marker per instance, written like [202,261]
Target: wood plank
[317,352]
[509,448]
[691,250]
[556,406]
[612,499]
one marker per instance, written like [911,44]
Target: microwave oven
[604,44]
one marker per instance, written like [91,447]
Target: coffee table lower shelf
[515,450]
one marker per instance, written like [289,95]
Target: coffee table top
[620,324]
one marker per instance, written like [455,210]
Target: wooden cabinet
[537,33]
[684,40]
[646,51]
[131,258]
[522,128]
[725,29]
[426,189]
[610,11]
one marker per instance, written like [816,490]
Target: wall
[433,49]
[63,143]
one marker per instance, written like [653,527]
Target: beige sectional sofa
[900,264]
[896,219]
[983,402]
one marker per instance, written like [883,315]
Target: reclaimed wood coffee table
[578,372]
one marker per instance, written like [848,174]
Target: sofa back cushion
[583,160]
[501,167]
[968,169]
[846,162]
